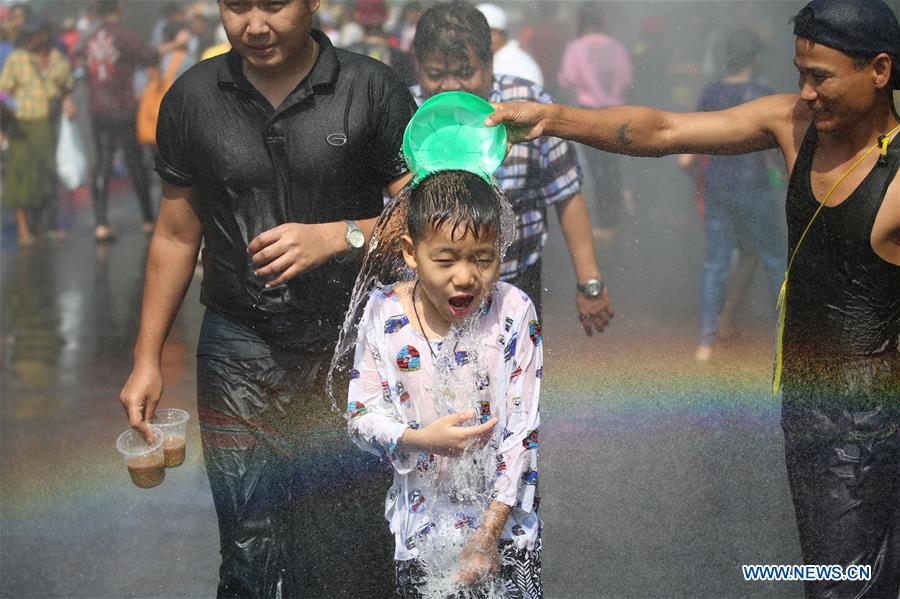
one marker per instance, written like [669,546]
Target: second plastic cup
[173,424]
[145,462]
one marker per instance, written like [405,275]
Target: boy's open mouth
[460,304]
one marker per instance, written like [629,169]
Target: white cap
[496,16]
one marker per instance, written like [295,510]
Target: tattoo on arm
[624,134]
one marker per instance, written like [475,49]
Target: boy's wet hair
[463,200]
[448,29]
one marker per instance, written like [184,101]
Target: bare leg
[25,237]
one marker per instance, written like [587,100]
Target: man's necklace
[823,184]
[419,320]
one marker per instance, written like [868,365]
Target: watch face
[593,289]
[356,238]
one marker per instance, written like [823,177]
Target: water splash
[465,480]
[383,266]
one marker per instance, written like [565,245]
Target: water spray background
[659,477]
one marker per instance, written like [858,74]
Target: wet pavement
[660,476]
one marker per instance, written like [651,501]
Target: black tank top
[843,299]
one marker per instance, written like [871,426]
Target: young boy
[436,356]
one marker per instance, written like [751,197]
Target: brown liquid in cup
[146,471]
[173,450]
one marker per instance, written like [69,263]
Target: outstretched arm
[637,131]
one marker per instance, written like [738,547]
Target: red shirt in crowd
[113,53]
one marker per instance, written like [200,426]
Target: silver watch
[355,239]
[592,288]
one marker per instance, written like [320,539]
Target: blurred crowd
[81,83]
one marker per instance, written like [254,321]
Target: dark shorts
[300,508]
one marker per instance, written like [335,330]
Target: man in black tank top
[841,335]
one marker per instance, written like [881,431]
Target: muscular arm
[170,266]
[637,131]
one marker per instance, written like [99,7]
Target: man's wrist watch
[355,239]
[592,288]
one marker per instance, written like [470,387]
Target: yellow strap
[782,295]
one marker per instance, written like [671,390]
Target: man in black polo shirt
[275,155]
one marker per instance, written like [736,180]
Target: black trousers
[842,449]
[300,508]
[112,131]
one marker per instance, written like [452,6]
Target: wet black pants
[300,509]
[846,493]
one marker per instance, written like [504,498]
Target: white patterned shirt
[394,386]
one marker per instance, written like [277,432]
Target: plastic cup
[447,132]
[173,424]
[145,462]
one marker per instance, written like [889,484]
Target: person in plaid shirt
[453,49]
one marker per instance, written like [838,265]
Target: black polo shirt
[324,155]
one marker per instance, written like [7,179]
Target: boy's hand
[447,436]
[479,559]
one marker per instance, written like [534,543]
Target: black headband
[854,27]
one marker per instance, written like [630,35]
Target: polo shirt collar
[324,72]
